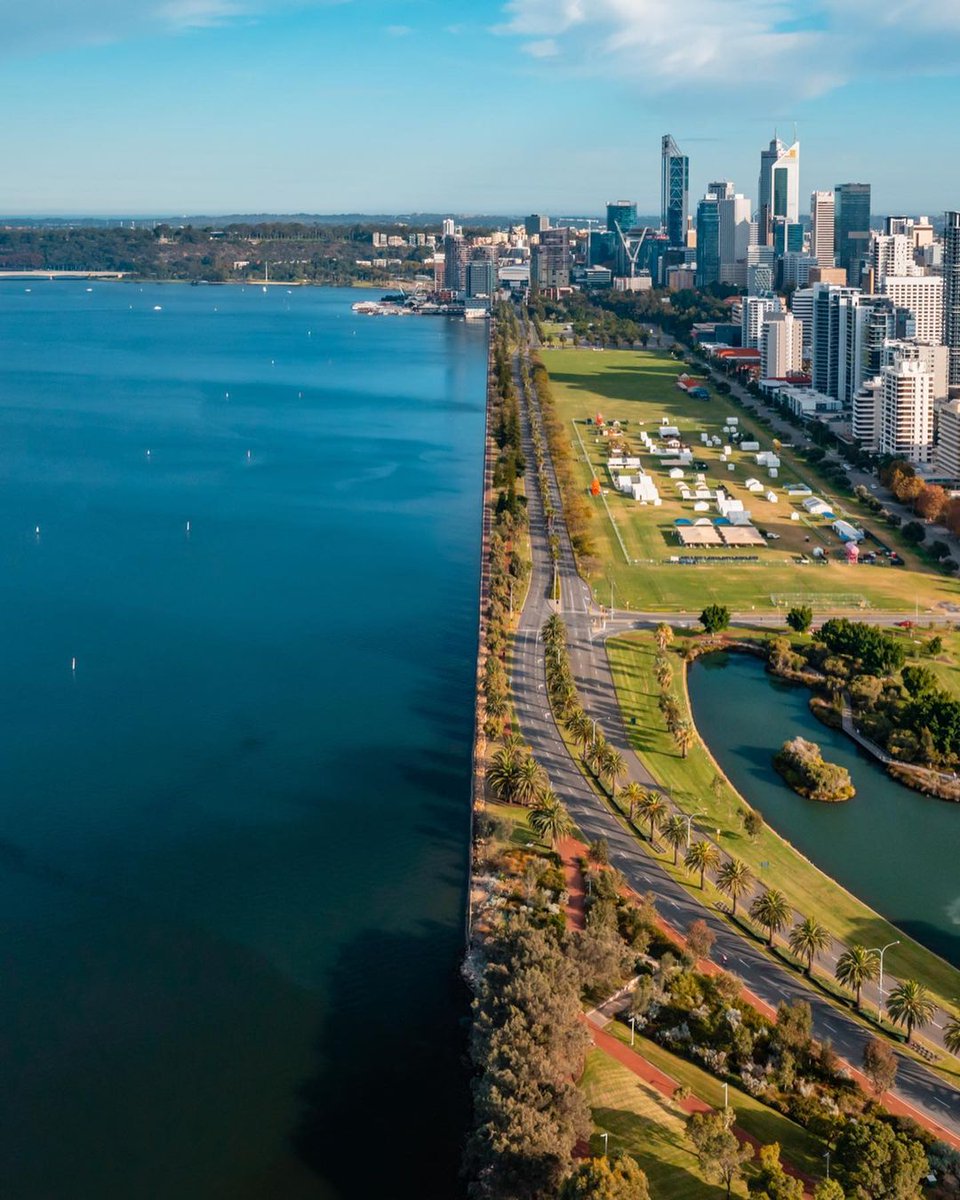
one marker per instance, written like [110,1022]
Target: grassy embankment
[690,781]
[639,387]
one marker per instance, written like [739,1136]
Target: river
[894,848]
[233,834]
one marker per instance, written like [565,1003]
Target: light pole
[882,951]
[689,820]
[726,1096]
[633,1030]
[827,1157]
[606,1139]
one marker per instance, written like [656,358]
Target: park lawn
[689,780]
[647,1126]
[634,543]
[767,1125]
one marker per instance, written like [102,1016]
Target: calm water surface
[894,848]
[233,840]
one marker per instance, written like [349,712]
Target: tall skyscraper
[721,189]
[737,234]
[906,411]
[852,228]
[754,311]
[837,369]
[551,260]
[951,292]
[621,214]
[821,227]
[890,254]
[454,262]
[922,295]
[708,241]
[779,187]
[781,346]
[674,187]
[765,192]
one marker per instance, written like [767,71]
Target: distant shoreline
[121,277]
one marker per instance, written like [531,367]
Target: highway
[916,1086]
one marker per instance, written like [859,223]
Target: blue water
[233,840]
[891,846]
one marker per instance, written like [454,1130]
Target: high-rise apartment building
[787,237]
[821,227]
[708,241]
[721,189]
[481,277]
[922,295]
[906,411]
[836,361]
[946,454]
[801,305]
[760,265]
[951,292]
[674,187]
[737,234]
[454,262]
[781,346]
[535,223]
[779,187]
[551,259]
[890,254]
[933,358]
[852,228]
[754,311]
[621,215]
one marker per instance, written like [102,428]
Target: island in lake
[803,767]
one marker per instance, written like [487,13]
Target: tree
[808,940]
[857,966]
[913,532]
[919,680]
[879,1065]
[614,1178]
[828,1189]
[794,1028]
[720,1155]
[581,729]
[674,831]
[664,636]
[530,781]
[633,793]
[652,807]
[771,1179]
[771,910]
[612,767]
[599,852]
[735,879]
[951,1035]
[715,617]
[931,502]
[702,856]
[663,673]
[877,1163]
[910,1005]
[752,823]
[684,737]
[549,820]
[502,773]
[700,939]
[800,618]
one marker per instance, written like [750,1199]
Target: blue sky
[208,106]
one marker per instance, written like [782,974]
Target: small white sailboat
[73,665]
[36,532]
[158,308]
[188,527]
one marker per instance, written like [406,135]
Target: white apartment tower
[951,292]
[753,313]
[781,346]
[923,296]
[892,254]
[737,234]
[822,210]
[946,456]
[906,411]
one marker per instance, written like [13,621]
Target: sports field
[635,543]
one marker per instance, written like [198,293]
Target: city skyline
[210,106]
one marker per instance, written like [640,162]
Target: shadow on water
[370,1126]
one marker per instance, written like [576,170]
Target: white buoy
[148,454]
[73,664]
[188,527]
[227,395]
[37,531]
[248,456]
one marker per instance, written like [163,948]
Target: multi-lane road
[916,1086]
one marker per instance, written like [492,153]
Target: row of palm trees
[909,1004]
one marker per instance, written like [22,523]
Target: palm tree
[612,767]
[951,1035]
[664,636]
[809,939]
[529,781]
[663,673]
[857,966]
[771,910]
[581,729]
[633,793]
[595,751]
[911,1005]
[674,831]
[701,856]
[652,808]
[734,879]
[554,631]
[672,715]
[684,737]
[502,773]
[549,820]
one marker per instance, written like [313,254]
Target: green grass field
[647,1126]
[690,781]
[634,543]
[755,1118]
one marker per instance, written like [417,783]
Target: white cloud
[44,25]
[544,48]
[398,30]
[706,44]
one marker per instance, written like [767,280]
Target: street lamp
[827,1157]
[606,1139]
[633,1030]
[882,951]
[726,1096]
[689,820]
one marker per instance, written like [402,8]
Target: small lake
[894,848]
